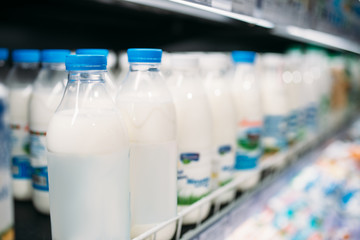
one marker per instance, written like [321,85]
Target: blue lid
[243,56]
[92,51]
[145,55]
[85,62]
[54,55]
[26,55]
[4,53]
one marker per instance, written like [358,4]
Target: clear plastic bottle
[110,75]
[149,112]
[48,90]
[246,96]
[274,104]
[19,81]
[216,82]
[88,158]
[6,201]
[194,135]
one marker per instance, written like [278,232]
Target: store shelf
[296,33]
[203,11]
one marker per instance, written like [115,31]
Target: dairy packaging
[48,90]
[110,76]
[6,201]
[194,135]
[20,81]
[88,163]
[149,113]
[246,96]
[274,104]
[312,73]
[293,81]
[216,82]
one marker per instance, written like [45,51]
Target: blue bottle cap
[4,54]
[243,56]
[144,55]
[54,55]
[85,62]
[92,51]
[26,55]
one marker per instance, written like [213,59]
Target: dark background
[120,25]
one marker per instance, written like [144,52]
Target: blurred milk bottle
[246,95]
[194,135]
[216,82]
[48,90]
[274,104]
[20,81]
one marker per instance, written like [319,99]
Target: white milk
[18,102]
[274,104]
[224,121]
[194,129]
[149,113]
[88,175]
[246,96]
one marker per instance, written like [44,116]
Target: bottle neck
[27,65]
[87,76]
[144,67]
[54,66]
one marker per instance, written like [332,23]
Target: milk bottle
[216,82]
[6,201]
[274,103]
[47,92]
[88,158]
[20,81]
[110,75]
[292,79]
[149,113]
[194,135]
[246,95]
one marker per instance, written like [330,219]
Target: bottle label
[40,179]
[292,126]
[193,180]
[249,147]
[311,116]
[21,167]
[223,166]
[274,133]
[38,148]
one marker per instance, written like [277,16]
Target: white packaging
[274,104]
[216,82]
[246,96]
[194,131]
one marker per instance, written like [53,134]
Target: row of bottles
[192,129]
